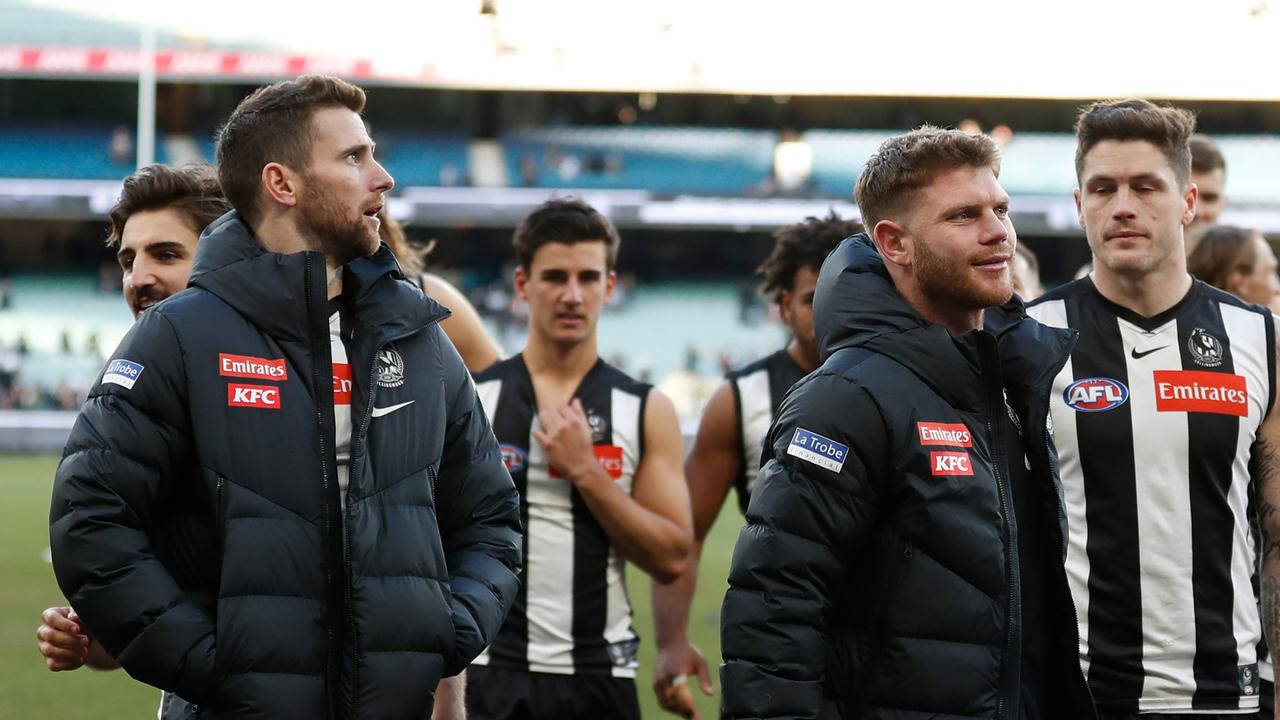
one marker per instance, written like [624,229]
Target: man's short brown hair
[274,125]
[564,220]
[905,163]
[191,190]
[1165,126]
[1205,155]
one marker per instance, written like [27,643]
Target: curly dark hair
[192,190]
[804,244]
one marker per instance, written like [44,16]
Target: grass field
[28,690]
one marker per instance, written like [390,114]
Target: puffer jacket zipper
[318,326]
[993,399]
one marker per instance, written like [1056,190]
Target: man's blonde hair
[905,163]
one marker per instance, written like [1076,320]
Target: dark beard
[334,233]
[948,284]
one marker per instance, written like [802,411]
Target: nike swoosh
[1139,355]
[379,412]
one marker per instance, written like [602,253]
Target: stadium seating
[44,307]
[663,160]
[670,160]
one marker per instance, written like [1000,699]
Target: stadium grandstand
[697,144]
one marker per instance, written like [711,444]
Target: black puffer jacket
[872,583]
[203,540]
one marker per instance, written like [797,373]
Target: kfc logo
[255,396]
[950,463]
[610,458]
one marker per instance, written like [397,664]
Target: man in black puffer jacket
[282,498]
[903,555]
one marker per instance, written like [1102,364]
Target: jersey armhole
[1271,364]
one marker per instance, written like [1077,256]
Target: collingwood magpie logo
[598,427]
[1205,349]
[390,368]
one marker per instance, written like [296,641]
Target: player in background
[596,458]
[1209,174]
[1164,426]
[726,451]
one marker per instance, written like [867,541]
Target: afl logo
[1205,349]
[513,457]
[1095,394]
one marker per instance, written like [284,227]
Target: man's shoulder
[761,364]
[1211,294]
[1062,292]
[192,307]
[616,378]
[500,370]
[847,376]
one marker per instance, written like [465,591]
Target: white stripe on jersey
[756,411]
[1246,623]
[1054,314]
[488,393]
[1164,518]
[626,435]
[549,582]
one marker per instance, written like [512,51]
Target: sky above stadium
[981,48]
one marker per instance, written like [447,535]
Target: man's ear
[1190,198]
[281,184]
[894,243]
[519,280]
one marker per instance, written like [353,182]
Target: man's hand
[61,640]
[565,435]
[675,665]
[66,646]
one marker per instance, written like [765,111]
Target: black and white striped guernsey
[572,615]
[1154,420]
[758,390]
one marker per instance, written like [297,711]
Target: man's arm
[451,698]
[479,511]
[464,327]
[804,523]
[651,526]
[709,470]
[1266,463]
[123,459]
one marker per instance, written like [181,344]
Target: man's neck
[805,358]
[1149,294]
[560,363]
[278,235]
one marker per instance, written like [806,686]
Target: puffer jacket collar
[267,286]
